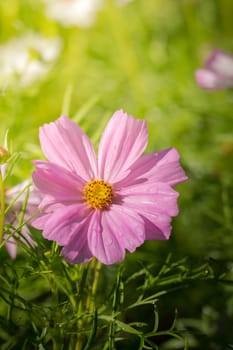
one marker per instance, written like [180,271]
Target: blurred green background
[140,57]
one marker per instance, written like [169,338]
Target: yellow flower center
[98,194]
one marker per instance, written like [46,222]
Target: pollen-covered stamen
[98,194]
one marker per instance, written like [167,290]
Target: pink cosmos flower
[217,72]
[17,195]
[101,206]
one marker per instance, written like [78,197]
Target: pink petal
[49,204]
[102,242]
[209,80]
[26,194]
[127,225]
[156,223]
[155,203]
[64,143]
[77,250]
[123,141]
[11,247]
[21,187]
[40,221]
[62,224]
[157,227]
[161,166]
[12,243]
[57,182]
[156,198]
[221,63]
[112,231]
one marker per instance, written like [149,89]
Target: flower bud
[4,155]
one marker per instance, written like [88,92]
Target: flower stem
[94,273]
[2,206]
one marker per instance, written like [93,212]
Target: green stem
[96,277]
[95,271]
[95,267]
[81,288]
[2,206]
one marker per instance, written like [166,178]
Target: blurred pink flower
[217,73]
[101,206]
[12,217]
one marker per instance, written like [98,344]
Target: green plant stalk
[2,206]
[95,267]
[96,274]
[82,282]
